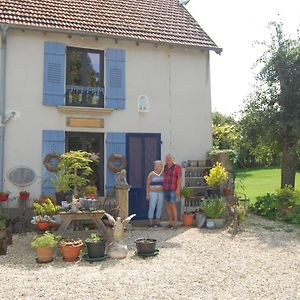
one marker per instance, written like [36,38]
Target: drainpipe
[2,100]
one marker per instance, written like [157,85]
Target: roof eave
[101,35]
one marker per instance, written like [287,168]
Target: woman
[155,193]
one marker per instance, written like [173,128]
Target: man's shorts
[170,196]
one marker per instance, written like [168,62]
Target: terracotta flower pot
[4,197]
[24,196]
[71,253]
[43,225]
[44,254]
[188,219]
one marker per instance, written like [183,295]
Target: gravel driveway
[261,262]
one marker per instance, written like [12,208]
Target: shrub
[217,175]
[288,196]
[267,206]
[186,192]
[283,205]
[213,208]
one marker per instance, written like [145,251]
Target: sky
[235,25]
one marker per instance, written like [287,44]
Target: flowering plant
[217,175]
[46,208]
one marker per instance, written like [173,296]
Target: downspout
[2,100]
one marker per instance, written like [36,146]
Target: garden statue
[121,178]
[117,249]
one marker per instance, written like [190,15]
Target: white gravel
[261,262]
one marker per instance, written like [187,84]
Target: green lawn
[259,181]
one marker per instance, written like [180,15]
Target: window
[85,80]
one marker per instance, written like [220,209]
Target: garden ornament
[117,249]
[121,178]
[118,225]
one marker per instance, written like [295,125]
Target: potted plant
[217,176]
[44,246]
[24,195]
[214,209]
[187,218]
[70,249]
[43,212]
[90,191]
[145,245]
[4,196]
[95,246]
[75,168]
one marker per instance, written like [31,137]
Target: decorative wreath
[47,162]
[116,163]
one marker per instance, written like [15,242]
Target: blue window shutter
[115,143]
[115,78]
[53,142]
[54,73]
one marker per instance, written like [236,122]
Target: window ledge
[84,110]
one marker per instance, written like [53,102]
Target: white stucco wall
[176,80]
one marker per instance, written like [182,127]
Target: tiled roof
[164,21]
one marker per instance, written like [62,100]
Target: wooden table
[95,216]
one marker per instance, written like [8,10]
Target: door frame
[141,135]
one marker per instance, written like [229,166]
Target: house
[126,77]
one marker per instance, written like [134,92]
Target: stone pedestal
[122,199]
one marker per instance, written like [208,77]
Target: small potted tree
[95,246]
[75,168]
[44,246]
[188,217]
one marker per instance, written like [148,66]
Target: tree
[271,118]
[224,131]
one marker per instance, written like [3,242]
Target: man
[172,186]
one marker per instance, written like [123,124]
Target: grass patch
[259,181]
